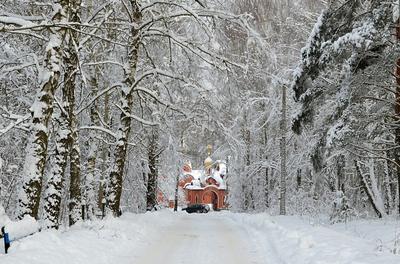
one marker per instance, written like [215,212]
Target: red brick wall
[207,196]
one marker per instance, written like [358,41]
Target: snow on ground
[293,240]
[200,239]
[382,234]
[97,242]
[217,237]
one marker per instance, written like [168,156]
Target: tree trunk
[105,156]
[41,111]
[397,116]
[92,175]
[340,164]
[282,194]
[266,188]
[53,193]
[246,184]
[114,188]
[66,141]
[153,174]
[177,190]
[388,191]
[71,59]
[369,185]
[298,179]
[75,198]
[90,180]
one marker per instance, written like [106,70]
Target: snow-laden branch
[139,119]
[19,25]
[26,18]
[73,26]
[158,72]
[152,72]
[101,129]
[16,68]
[154,95]
[98,10]
[194,49]
[104,62]
[372,152]
[197,12]
[15,124]
[101,93]
[92,33]
[189,12]
[17,21]
[60,106]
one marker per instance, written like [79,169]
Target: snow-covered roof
[193,187]
[222,168]
[197,174]
[200,178]
[218,178]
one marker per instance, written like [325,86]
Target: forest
[102,102]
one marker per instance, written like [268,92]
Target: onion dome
[208,162]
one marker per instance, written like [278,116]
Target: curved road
[200,238]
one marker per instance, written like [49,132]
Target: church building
[207,185]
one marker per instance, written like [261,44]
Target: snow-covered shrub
[396,245]
[342,211]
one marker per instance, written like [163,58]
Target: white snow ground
[218,237]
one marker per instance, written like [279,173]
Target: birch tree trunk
[90,181]
[75,198]
[71,58]
[53,192]
[66,141]
[41,111]
[282,193]
[114,188]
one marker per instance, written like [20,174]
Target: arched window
[197,199]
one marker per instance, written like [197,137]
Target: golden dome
[208,162]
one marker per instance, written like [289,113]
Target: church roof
[199,181]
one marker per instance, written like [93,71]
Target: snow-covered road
[218,237]
[210,239]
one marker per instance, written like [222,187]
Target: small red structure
[206,186]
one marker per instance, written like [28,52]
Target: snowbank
[3,217]
[113,240]
[292,240]
[19,229]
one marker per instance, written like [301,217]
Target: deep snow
[167,237]
[290,239]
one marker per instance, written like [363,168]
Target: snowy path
[221,237]
[210,239]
